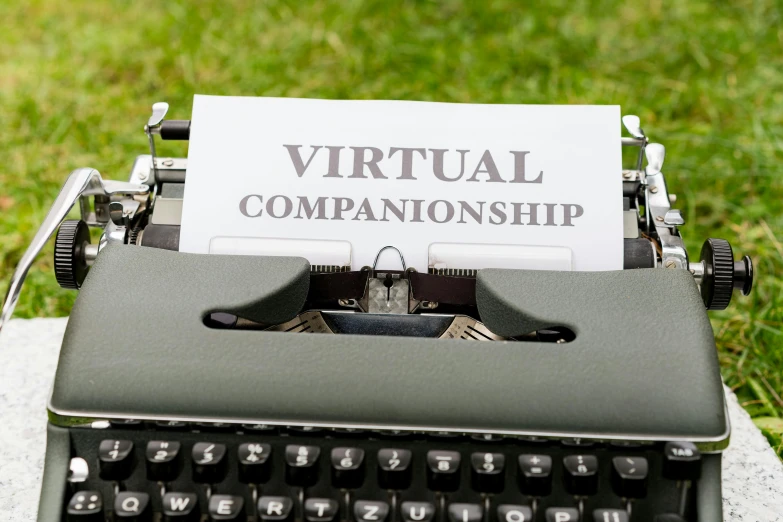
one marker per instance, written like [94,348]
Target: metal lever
[633,126]
[655,153]
[159,111]
[660,215]
[81,182]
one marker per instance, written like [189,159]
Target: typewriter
[185,390]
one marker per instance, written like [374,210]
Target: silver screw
[670,264]
[626,175]
[653,189]
[143,176]
[168,162]
[659,218]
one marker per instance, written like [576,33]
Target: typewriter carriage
[145,211]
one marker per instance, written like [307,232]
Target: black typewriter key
[370,511]
[162,460]
[535,475]
[215,426]
[487,471]
[417,511]
[577,442]
[209,462]
[301,465]
[395,434]
[347,467]
[581,474]
[465,513]
[629,476]
[116,459]
[320,509]
[487,437]
[625,444]
[173,425]
[350,432]
[443,470]
[557,514]
[305,430]
[275,509]
[226,507]
[444,435]
[85,506]
[394,468]
[180,507]
[127,424]
[268,428]
[254,464]
[610,515]
[682,461]
[132,506]
[514,513]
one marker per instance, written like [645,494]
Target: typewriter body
[186,390]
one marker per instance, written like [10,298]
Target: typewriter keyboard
[173,472]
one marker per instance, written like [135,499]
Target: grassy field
[77,80]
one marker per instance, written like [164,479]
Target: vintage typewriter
[186,392]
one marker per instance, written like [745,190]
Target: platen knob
[722,274]
[70,265]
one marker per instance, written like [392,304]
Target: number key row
[488,469]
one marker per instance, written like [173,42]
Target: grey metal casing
[643,363]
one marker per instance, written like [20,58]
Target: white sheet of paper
[377,173]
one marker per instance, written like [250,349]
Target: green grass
[77,80]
